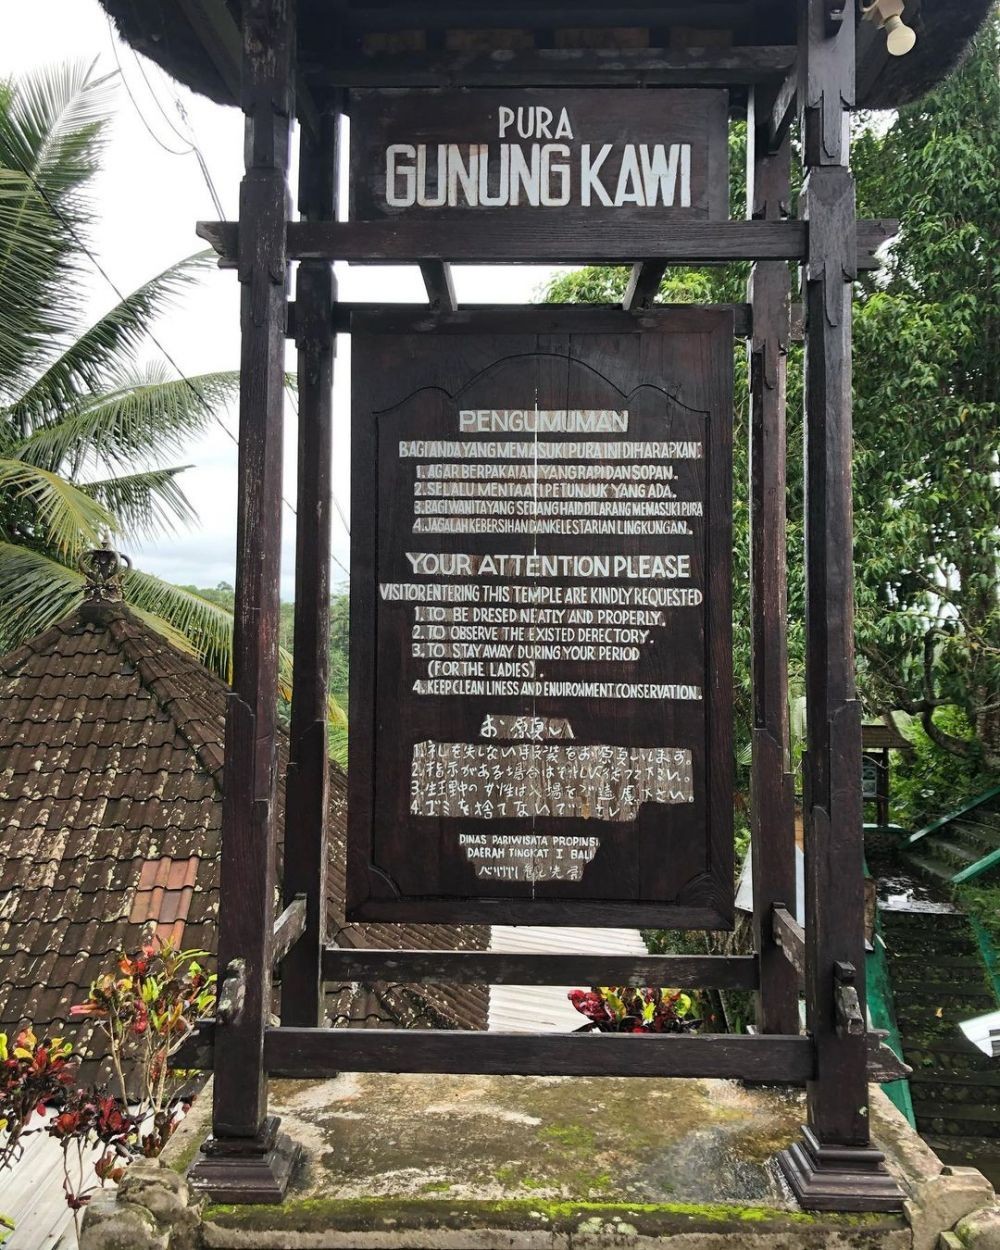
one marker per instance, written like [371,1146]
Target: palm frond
[207,627]
[69,517]
[89,364]
[147,415]
[35,592]
[50,133]
[146,503]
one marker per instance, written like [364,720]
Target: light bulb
[899,38]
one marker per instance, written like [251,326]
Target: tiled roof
[111,752]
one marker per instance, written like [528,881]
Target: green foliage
[927,416]
[928,782]
[84,426]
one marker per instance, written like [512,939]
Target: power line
[156,100]
[135,103]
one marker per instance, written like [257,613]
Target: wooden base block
[839,1178]
[245,1169]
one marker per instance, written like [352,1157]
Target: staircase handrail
[941,821]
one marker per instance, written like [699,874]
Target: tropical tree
[87,426]
[927,414]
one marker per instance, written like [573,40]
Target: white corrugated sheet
[545,1008]
[31,1194]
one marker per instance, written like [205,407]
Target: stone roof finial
[104,569]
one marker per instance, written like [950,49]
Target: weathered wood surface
[556,242]
[318,1053]
[288,929]
[307,785]
[440,285]
[556,67]
[532,318]
[789,937]
[502,968]
[837,1099]
[772,789]
[247,879]
[643,284]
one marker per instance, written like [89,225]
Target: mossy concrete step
[930,869]
[951,851]
[984,834]
[919,919]
[934,994]
[909,967]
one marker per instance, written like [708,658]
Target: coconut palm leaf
[69,517]
[146,503]
[146,415]
[50,127]
[91,362]
[208,627]
[35,592]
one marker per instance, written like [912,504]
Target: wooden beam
[555,67]
[440,287]
[529,968]
[790,937]
[523,242]
[307,806]
[315,1054]
[375,242]
[288,929]
[772,789]
[643,284]
[783,110]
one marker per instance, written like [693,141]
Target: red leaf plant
[145,1008]
[623,1009]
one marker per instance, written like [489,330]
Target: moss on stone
[317,1214]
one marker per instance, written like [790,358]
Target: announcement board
[540,629]
[594,156]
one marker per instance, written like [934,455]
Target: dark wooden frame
[364,901]
[834,1167]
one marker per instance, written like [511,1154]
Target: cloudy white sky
[149,200]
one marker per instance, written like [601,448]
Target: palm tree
[85,427]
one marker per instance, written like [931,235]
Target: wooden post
[772,807]
[306,792]
[835,1167]
[246,1159]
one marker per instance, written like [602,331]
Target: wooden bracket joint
[850,1020]
[233,993]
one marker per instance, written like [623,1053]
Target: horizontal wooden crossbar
[565,239]
[730,972]
[526,318]
[318,1053]
[555,67]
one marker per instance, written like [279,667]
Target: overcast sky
[149,200]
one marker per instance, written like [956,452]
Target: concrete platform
[480,1163]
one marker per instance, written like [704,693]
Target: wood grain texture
[689,243]
[288,929]
[837,1099]
[307,786]
[247,877]
[556,67]
[772,788]
[315,1054]
[500,968]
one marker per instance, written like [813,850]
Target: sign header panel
[540,632]
[595,156]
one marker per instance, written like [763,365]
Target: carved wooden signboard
[593,156]
[540,631]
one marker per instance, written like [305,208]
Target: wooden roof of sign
[111,752]
[547,43]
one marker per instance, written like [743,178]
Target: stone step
[935,994]
[982,833]
[950,850]
[930,869]
[986,1119]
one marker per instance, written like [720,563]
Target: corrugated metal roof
[545,1008]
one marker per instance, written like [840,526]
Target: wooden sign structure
[438,379]
[540,630]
